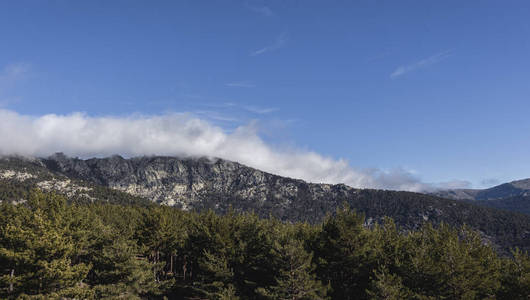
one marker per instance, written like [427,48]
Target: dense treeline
[516,203]
[51,249]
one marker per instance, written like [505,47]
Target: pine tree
[162,235]
[39,250]
[122,273]
[346,254]
[516,277]
[218,278]
[296,278]
[450,263]
[387,286]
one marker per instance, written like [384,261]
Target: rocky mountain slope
[514,196]
[19,175]
[190,183]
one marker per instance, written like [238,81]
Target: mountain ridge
[221,185]
[513,196]
[505,190]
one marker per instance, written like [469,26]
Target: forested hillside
[52,249]
[516,203]
[202,184]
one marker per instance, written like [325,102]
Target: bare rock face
[204,183]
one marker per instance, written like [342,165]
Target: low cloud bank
[181,135]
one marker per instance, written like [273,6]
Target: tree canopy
[52,249]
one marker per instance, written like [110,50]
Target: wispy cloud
[219,105]
[453,184]
[241,84]
[280,41]
[421,64]
[489,182]
[214,116]
[262,10]
[12,73]
[260,110]
[6,101]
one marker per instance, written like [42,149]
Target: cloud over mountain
[181,134]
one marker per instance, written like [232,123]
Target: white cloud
[181,134]
[420,64]
[280,41]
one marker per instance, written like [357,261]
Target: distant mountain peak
[523,184]
[514,195]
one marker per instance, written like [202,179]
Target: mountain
[514,196]
[506,190]
[19,175]
[203,183]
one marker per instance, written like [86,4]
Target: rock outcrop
[205,183]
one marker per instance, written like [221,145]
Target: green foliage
[450,263]
[515,276]
[218,284]
[50,249]
[39,248]
[120,272]
[346,254]
[296,278]
[388,286]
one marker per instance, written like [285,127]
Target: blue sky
[439,89]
